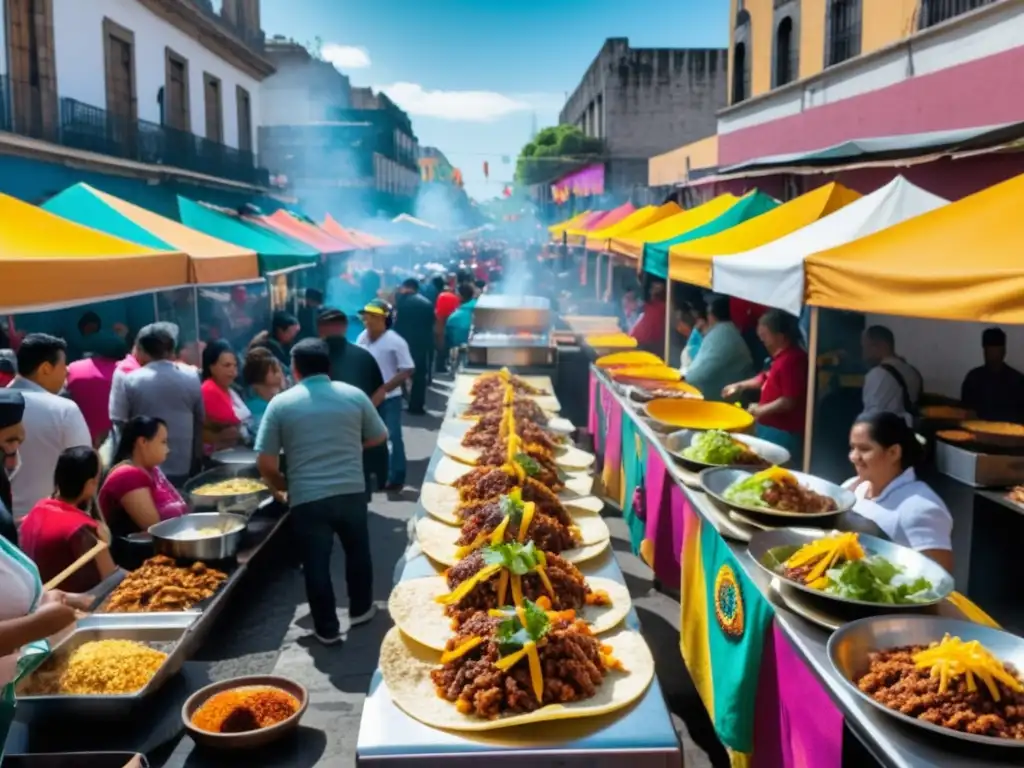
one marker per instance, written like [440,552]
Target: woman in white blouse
[884,451]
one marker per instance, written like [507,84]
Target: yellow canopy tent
[211,260]
[959,262]
[47,260]
[632,243]
[691,262]
[557,230]
[645,217]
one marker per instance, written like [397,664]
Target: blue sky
[473,73]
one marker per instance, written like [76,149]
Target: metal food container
[512,331]
[243,504]
[235,456]
[717,480]
[163,632]
[679,441]
[850,646]
[167,536]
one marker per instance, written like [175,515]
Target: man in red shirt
[446,304]
[649,330]
[781,409]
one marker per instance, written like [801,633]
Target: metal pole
[196,306]
[597,275]
[668,321]
[812,382]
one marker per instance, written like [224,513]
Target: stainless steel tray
[163,632]
[770,549]
[679,441]
[244,504]
[716,480]
[850,646]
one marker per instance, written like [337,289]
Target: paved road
[268,630]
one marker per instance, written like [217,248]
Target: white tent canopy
[773,274]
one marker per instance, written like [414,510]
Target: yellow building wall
[670,167]
[883,22]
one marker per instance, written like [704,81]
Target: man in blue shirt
[723,357]
[323,426]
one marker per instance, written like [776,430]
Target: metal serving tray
[244,504]
[717,480]
[163,632]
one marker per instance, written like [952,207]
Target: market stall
[631,245]
[639,219]
[362,239]
[395,717]
[577,236]
[762,668]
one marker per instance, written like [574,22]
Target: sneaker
[364,618]
[332,640]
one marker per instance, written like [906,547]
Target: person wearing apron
[884,451]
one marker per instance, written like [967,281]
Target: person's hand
[754,409]
[135,762]
[378,397]
[79,601]
[730,391]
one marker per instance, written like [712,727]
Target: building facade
[806,75]
[644,101]
[303,89]
[156,89]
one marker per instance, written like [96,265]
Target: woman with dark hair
[263,379]
[58,531]
[136,494]
[885,451]
[12,435]
[781,408]
[226,414]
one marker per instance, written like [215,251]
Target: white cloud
[345,56]
[459,106]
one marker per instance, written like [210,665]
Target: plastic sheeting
[959,262]
[691,262]
[773,275]
[645,217]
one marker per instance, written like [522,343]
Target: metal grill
[937,11]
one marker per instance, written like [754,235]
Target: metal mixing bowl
[239,504]
[222,547]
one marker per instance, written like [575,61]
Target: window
[122,107]
[244,104]
[214,108]
[739,73]
[937,11]
[177,113]
[784,52]
[842,31]
[32,69]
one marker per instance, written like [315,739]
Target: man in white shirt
[892,384]
[52,423]
[396,365]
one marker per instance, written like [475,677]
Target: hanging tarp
[578,236]
[632,244]
[277,252]
[691,262]
[307,233]
[750,206]
[210,260]
[46,260]
[959,262]
[773,275]
[645,217]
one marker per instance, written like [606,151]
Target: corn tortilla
[406,667]
[442,501]
[437,540]
[413,609]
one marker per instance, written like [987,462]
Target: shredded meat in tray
[489,384]
[795,498]
[571,590]
[487,431]
[570,657]
[892,679]
[549,534]
[524,409]
[488,483]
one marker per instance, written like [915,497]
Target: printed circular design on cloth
[729,602]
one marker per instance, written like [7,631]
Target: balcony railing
[937,11]
[92,129]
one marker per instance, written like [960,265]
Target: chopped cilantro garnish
[512,635]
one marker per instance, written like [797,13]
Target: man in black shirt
[414,322]
[994,391]
[351,364]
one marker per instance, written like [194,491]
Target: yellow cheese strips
[954,658]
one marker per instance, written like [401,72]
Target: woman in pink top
[226,414]
[136,494]
[90,380]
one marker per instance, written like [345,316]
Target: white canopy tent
[773,274]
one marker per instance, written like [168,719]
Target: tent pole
[611,274]
[812,381]
[597,275]
[668,321]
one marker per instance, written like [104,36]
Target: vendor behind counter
[994,391]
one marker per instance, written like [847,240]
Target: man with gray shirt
[164,390]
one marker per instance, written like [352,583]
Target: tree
[554,152]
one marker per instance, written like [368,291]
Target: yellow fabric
[557,230]
[959,262]
[693,637]
[691,262]
[740,759]
[971,611]
[211,260]
[645,217]
[46,259]
[632,244]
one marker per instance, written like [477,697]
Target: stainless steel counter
[892,744]
[642,735]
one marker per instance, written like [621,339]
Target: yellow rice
[95,668]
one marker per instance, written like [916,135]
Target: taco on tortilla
[443,503]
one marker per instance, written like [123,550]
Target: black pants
[315,526]
[418,393]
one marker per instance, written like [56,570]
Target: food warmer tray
[982,468]
[165,632]
[640,736]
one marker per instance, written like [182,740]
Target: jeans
[391,412]
[418,393]
[315,525]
